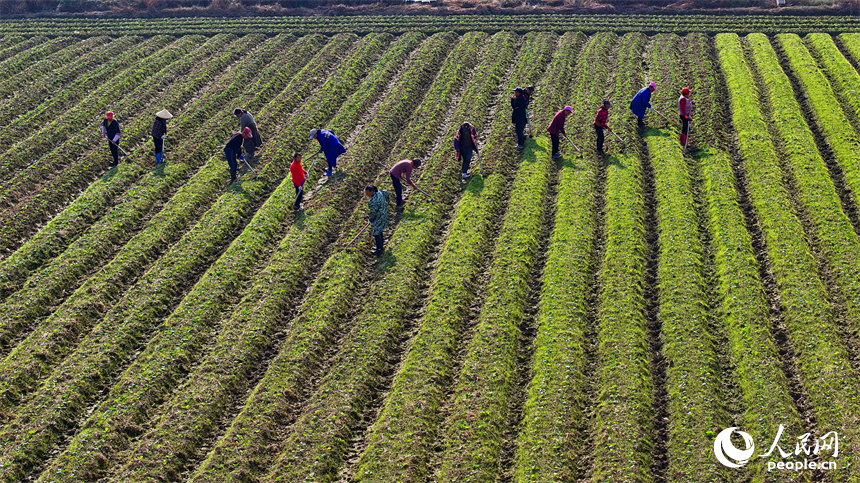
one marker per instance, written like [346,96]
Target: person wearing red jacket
[684,110]
[299,174]
[600,124]
[556,127]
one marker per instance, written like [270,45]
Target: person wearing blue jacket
[330,146]
[642,101]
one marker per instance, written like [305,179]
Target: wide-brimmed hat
[164,114]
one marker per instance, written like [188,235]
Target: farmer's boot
[232,176]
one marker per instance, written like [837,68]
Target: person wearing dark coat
[518,116]
[641,102]
[465,143]
[378,214]
[233,149]
[330,146]
[159,132]
[111,131]
[247,120]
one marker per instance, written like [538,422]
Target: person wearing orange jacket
[684,110]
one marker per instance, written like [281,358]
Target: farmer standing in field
[110,130]
[402,170]
[600,124]
[159,132]
[642,101]
[518,116]
[378,214]
[233,149]
[466,142]
[685,109]
[556,127]
[299,174]
[330,146]
[247,120]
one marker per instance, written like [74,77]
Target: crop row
[13,44]
[822,360]
[740,304]
[201,316]
[839,135]
[134,317]
[254,438]
[279,284]
[73,114]
[47,76]
[90,301]
[692,380]
[842,75]
[622,428]
[36,197]
[555,408]
[40,48]
[482,395]
[361,24]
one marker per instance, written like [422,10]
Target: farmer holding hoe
[519,116]
[159,132]
[465,143]
[402,170]
[246,120]
[329,145]
[684,110]
[233,149]
[378,214]
[299,174]
[110,130]
[642,101]
[556,128]
[600,124]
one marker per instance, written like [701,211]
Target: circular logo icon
[725,451]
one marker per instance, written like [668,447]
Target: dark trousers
[300,193]
[599,131]
[685,125]
[231,161]
[466,153]
[640,121]
[398,188]
[379,241]
[159,145]
[520,127]
[114,151]
[555,141]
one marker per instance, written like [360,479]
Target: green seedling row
[313,329]
[622,429]
[842,76]
[555,408]
[479,405]
[839,135]
[38,49]
[822,360]
[12,44]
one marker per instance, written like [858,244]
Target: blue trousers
[231,161]
[398,188]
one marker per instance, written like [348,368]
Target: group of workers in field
[248,139]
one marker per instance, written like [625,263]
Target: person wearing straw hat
[110,130]
[330,146]
[600,124]
[556,128]
[233,149]
[684,109]
[247,120]
[641,102]
[159,132]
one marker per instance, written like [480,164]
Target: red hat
[247,132]
[109,114]
[685,91]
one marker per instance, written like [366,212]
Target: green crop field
[594,319]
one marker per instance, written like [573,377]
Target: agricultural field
[660,314]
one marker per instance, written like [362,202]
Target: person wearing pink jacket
[684,110]
[556,128]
